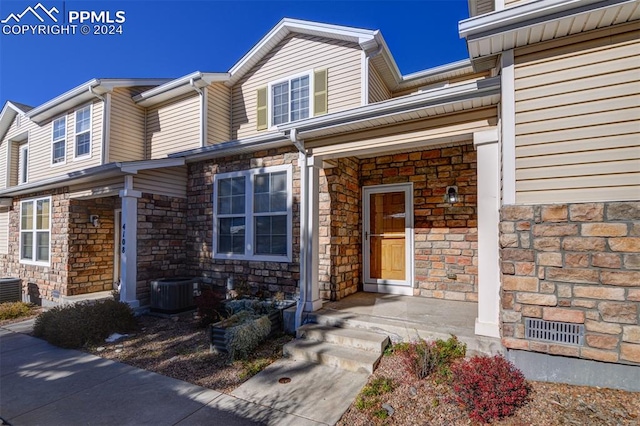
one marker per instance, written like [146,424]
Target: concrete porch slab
[406,318]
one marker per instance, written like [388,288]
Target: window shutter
[262,109]
[320,92]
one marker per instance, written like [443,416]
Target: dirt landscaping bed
[178,348]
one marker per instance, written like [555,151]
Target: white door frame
[389,286]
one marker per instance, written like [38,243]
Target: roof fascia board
[178,87]
[111,169]
[527,14]
[397,105]
[133,167]
[443,70]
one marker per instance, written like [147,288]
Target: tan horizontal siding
[40,146]
[218,113]
[485,6]
[294,55]
[4,153]
[100,188]
[4,231]
[126,138]
[578,120]
[512,3]
[14,156]
[171,181]
[378,90]
[173,126]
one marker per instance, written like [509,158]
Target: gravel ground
[427,402]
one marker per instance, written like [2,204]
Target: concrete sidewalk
[41,384]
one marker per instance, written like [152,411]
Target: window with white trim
[35,231]
[252,214]
[58,141]
[83,132]
[23,163]
[290,100]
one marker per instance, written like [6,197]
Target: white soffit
[540,21]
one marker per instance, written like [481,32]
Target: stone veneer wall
[90,249]
[446,236]
[39,283]
[162,241]
[340,225]
[575,263]
[263,277]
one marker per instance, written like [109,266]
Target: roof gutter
[269,141]
[90,85]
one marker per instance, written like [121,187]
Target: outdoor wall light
[451,195]
[94,219]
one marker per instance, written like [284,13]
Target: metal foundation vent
[554,331]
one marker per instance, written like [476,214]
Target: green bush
[11,310]
[368,397]
[244,337]
[422,358]
[74,326]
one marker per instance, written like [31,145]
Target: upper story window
[58,141]
[252,214]
[83,132]
[290,100]
[35,231]
[294,98]
[23,163]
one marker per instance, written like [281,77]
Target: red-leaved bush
[489,387]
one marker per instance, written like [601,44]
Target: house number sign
[124,226]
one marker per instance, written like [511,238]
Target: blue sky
[175,38]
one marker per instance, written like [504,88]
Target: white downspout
[304,215]
[202,111]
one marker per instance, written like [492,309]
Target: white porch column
[312,301]
[486,145]
[128,254]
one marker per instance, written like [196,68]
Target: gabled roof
[8,113]
[371,41]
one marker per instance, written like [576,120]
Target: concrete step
[346,337]
[332,355]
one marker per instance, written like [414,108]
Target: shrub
[74,326]
[489,387]
[11,310]
[246,335]
[368,397]
[422,358]
[209,304]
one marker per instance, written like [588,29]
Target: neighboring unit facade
[314,167]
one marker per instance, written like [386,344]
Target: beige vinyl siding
[14,158]
[463,79]
[173,126]
[4,153]
[485,6]
[4,231]
[170,181]
[294,55]
[98,188]
[445,129]
[40,145]
[126,137]
[378,90]
[512,3]
[578,119]
[218,113]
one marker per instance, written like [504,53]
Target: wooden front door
[388,232]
